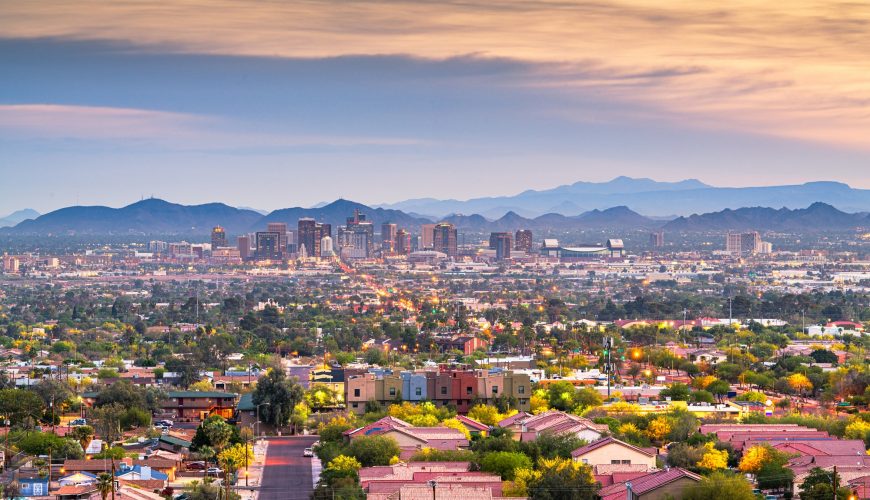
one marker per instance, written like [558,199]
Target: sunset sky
[280,103]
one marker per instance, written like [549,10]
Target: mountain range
[18,216]
[647,196]
[158,217]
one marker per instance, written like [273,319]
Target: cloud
[754,67]
[178,131]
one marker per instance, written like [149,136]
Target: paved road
[287,474]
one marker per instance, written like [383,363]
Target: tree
[373,450]
[105,484]
[677,392]
[719,388]
[819,485]
[720,485]
[20,404]
[238,453]
[217,431]
[281,394]
[485,414]
[319,397]
[107,421]
[824,356]
[459,426]
[562,479]
[799,382]
[713,459]
[658,429]
[83,434]
[754,458]
[505,463]
[560,395]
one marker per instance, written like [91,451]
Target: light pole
[433,483]
[259,436]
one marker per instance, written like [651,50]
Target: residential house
[529,427]
[196,406]
[613,451]
[658,485]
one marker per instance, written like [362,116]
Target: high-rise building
[657,239]
[427,237]
[325,229]
[403,242]
[218,238]
[356,239]
[523,242]
[750,243]
[268,245]
[243,243]
[444,239]
[326,247]
[743,244]
[310,234]
[501,243]
[388,238]
[281,229]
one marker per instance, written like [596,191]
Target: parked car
[164,423]
[214,471]
[195,466]
[308,452]
[78,422]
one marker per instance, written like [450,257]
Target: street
[287,474]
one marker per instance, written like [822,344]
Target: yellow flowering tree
[658,429]
[799,382]
[456,424]
[754,458]
[713,459]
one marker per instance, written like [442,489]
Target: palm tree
[105,484]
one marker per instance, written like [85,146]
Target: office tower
[388,238]
[325,229]
[733,243]
[218,238]
[281,229]
[403,242]
[356,238]
[523,242]
[765,248]
[657,239]
[268,245]
[309,237]
[750,243]
[427,237]
[501,243]
[743,244]
[243,243]
[444,239]
[326,247]
[156,246]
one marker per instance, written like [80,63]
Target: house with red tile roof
[391,481]
[528,428]
[668,483]
[613,451]
[412,439]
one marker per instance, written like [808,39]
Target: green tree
[373,450]
[505,463]
[105,484]
[819,485]
[281,394]
[720,485]
[562,479]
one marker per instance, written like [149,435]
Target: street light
[259,436]
[433,484]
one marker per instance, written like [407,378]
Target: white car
[308,452]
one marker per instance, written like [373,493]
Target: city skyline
[113,102]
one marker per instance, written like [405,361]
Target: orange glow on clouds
[794,69]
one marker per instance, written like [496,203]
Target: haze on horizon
[293,103]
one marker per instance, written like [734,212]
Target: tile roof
[645,484]
[606,441]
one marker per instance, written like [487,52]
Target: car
[308,452]
[214,471]
[195,466]
[164,423]
[78,422]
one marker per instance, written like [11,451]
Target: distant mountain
[18,216]
[258,210]
[617,218]
[151,216]
[158,217]
[648,197]
[817,217]
[337,212]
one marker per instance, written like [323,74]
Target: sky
[281,103]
